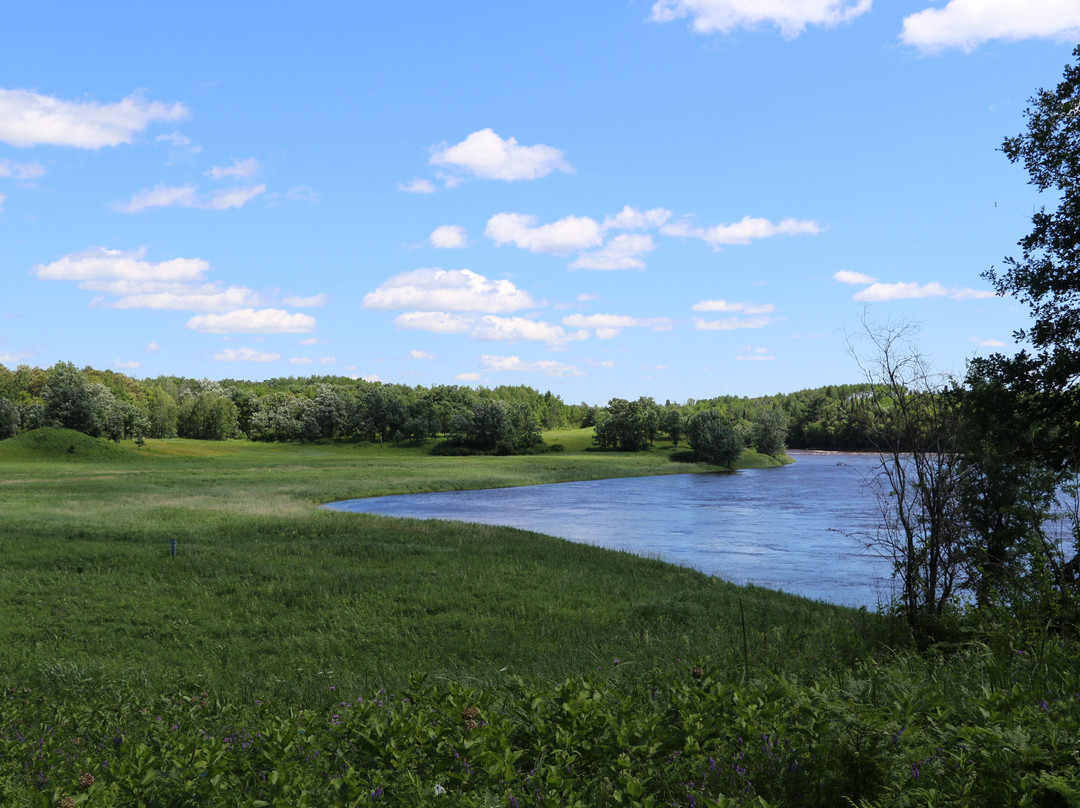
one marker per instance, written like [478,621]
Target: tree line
[504,419]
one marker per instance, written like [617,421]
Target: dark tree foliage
[715,438]
[1047,275]
[627,426]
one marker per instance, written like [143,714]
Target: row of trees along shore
[504,419]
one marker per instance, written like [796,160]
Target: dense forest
[504,419]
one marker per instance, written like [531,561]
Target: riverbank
[288,655]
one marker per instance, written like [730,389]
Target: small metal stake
[172,547]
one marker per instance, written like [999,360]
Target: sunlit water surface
[798,528]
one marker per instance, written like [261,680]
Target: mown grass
[294,656]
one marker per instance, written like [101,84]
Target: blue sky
[679,199]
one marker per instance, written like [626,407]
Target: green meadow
[294,656]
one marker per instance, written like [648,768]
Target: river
[797,528]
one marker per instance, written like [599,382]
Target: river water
[797,528]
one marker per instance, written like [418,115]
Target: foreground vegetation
[294,656]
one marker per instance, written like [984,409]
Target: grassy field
[89,592]
[293,656]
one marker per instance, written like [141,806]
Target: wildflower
[67,802]
[86,780]
[697,672]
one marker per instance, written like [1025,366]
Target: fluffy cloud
[565,235]
[421,355]
[300,360]
[186,196]
[622,252]
[723,305]
[447,290]
[607,326]
[239,168]
[246,355]
[633,219]
[101,264]
[846,276]
[252,321]
[517,365]
[449,237]
[119,364]
[900,291]
[29,119]
[488,327]
[744,231]
[731,323]
[487,155]
[21,171]
[417,186]
[790,16]
[208,298]
[967,23]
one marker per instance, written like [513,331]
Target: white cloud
[447,290]
[967,293]
[900,291]
[119,364]
[252,321]
[449,237]
[723,305]
[161,197]
[102,264]
[21,171]
[748,229]
[968,23]
[8,358]
[208,297]
[29,119]
[417,186]
[633,219]
[178,141]
[731,323]
[2,198]
[565,235]
[300,360]
[622,252]
[310,341]
[488,327]
[487,155]
[151,347]
[299,193]
[467,377]
[988,343]
[790,16]
[755,355]
[327,360]
[232,197]
[878,292]
[246,355]
[421,355]
[186,196]
[607,326]
[239,168]
[847,276]
[314,301]
[517,365]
